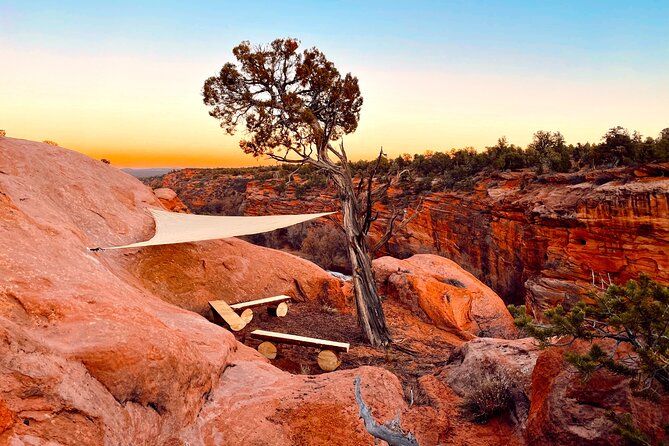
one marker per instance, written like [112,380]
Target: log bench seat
[328,359]
[222,311]
[276,305]
[238,315]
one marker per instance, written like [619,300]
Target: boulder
[440,291]
[284,409]
[509,361]
[168,198]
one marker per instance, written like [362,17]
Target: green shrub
[635,316]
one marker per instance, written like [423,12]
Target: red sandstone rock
[191,274]
[90,355]
[85,354]
[566,410]
[532,242]
[168,198]
[296,410]
[481,358]
[93,352]
[443,293]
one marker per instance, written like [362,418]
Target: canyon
[535,239]
[118,347]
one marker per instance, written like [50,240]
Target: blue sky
[123,79]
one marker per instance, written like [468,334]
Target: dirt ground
[418,357]
[419,349]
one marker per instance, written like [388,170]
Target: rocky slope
[111,348]
[538,240]
[102,348]
[90,354]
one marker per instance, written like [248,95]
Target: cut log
[328,360]
[275,300]
[285,338]
[247,315]
[222,309]
[278,311]
[268,350]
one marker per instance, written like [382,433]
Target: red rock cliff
[538,240]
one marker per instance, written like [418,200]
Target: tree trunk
[367,301]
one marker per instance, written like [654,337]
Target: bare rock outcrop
[511,362]
[540,242]
[90,353]
[569,410]
[79,346]
[296,410]
[169,199]
[443,293]
[231,270]
[534,240]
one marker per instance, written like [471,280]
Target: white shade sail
[172,227]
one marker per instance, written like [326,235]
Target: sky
[122,80]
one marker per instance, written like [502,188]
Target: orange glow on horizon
[139,112]
[154,158]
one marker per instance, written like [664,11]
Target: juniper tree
[294,106]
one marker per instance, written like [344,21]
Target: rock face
[545,242]
[533,240]
[441,292]
[566,410]
[231,270]
[91,354]
[509,361]
[169,199]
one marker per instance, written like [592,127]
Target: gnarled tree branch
[391,432]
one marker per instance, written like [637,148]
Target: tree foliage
[550,151]
[291,104]
[628,327]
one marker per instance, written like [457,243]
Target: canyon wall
[539,240]
[108,348]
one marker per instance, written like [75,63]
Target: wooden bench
[276,305]
[222,310]
[328,359]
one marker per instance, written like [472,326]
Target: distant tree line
[458,168]
[548,152]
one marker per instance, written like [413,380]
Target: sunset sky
[121,81]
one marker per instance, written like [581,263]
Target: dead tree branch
[391,229]
[391,432]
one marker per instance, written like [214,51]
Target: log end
[247,315]
[279,310]
[268,350]
[328,360]
[237,325]
[282,309]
